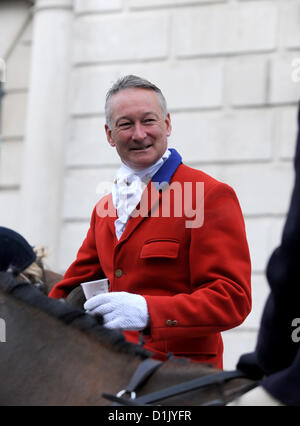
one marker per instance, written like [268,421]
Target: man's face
[139,130]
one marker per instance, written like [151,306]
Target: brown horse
[55,354]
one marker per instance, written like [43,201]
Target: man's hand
[120,310]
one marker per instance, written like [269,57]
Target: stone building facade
[230,70]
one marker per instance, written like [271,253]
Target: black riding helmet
[16,254]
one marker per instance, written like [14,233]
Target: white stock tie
[128,188]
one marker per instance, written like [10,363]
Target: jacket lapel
[151,197]
[148,206]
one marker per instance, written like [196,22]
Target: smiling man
[180,283]
[138,127]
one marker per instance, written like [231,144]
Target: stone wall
[15,49]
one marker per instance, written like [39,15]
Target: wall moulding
[43,5]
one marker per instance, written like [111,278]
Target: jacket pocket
[204,345]
[160,249]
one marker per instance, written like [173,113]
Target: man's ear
[108,135]
[168,124]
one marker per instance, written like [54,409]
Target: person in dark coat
[25,262]
[276,359]
[16,254]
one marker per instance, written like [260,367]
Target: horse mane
[77,318]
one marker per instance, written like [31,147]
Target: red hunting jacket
[185,250]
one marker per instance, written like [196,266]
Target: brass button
[118,273]
[171,322]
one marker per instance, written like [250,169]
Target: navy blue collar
[167,170]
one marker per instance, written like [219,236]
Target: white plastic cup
[92,288]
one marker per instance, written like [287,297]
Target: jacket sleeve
[85,268]
[220,275]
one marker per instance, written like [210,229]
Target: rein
[148,367]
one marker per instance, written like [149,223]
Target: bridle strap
[145,369]
[142,373]
[191,385]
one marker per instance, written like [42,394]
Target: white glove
[120,309]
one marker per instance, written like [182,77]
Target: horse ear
[16,254]
[76,298]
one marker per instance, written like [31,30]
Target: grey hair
[130,82]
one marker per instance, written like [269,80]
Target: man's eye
[127,124]
[149,120]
